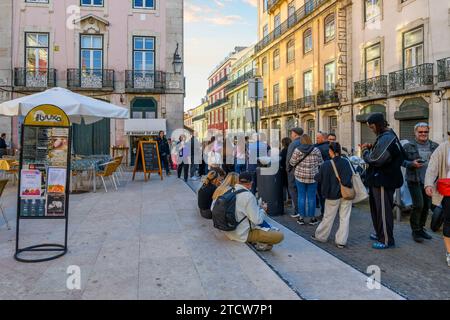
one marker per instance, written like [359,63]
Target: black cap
[375,118]
[298,131]
[245,177]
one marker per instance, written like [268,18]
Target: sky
[212,29]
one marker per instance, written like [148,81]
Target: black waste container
[270,190]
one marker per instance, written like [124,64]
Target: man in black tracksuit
[384,175]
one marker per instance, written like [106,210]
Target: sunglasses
[423,132]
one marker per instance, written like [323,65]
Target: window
[372,10]
[265,67]
[290,89]
[330,76]
[265,97]
[144,4]
[144,54]
[311,125]
[239,99]
[330,28]
[91,52]
[36,1]
[307,41]
[277,24]
[291,14]
[373,61]
[290,51]
[265,5]
[276,59]
[332,124]
[265,31]
[276,94]
[308,84]
[413,48]
[36,51]
[244,98]
[94,3]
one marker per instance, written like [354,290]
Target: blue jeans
[306,195]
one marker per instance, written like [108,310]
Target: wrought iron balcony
[217,84]
[300,14]
[412,79]
[237,82]
[90,79]
[289,107]
[371,88]
[327,97]
[216,104]
[34,78]
[198,118]
[444,70]
[145,80]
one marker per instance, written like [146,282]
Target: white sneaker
[295,215]
[448,259]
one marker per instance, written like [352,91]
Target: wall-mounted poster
[31,182]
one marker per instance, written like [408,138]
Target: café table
[91,164]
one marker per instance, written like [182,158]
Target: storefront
[411,112]
[367,136]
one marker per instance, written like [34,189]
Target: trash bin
[270,190]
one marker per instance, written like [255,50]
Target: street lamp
[177,62]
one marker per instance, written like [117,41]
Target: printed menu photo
[30,184]
[56,180]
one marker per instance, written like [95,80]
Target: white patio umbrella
[76,106]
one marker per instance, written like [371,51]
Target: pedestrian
[283,169]
[332,137]
[206,191]
[439,169]
[196,153]
[183,157]
[164,151]
[257,149]
[323,145]
[330,190]
[306,161]
[384,175]
[418,153]
[296,134]
[3,145]
[247,208]
[240,154]
[172,155]
[202,167]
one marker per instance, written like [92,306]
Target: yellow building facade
[302,56]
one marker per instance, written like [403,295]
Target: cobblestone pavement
[416,271]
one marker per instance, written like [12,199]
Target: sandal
[381,246]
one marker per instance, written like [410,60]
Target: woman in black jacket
[283,157]
[331,191]
[205,194]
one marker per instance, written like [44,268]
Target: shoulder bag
[346,192]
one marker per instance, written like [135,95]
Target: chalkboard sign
[147,159]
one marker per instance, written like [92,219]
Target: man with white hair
[418,153]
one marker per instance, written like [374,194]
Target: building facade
[303,58]
[124,52]
[242,70]
[6,15]
[401,65]
[199,122]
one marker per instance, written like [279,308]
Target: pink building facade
[123,52]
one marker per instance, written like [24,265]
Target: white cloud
[253,3]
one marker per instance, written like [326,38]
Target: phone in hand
[421,161]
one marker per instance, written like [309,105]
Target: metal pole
[256,118]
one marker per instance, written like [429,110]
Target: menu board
[44,171]
[147,159]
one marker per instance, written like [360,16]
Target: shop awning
[145,127]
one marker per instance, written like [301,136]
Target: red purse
[443,187]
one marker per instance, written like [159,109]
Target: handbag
[346,192]
[361,193]
[443,186]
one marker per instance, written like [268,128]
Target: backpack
[224,211]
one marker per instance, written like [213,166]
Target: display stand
[44,176]
[147,159]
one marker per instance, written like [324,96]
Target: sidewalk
[146,241]
[316,274]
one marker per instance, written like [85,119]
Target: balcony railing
[217,84]
[34,78]
[292,106]
[444,70]
[271,4]
[216,104]
[301,14]
[90,78]
[413,78]
[327,97]
[198,118]
[373,87]
[235,83]
[145,80]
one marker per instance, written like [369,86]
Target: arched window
[307,41]
[290,50]
[276,59]
[330,28]
[144,108]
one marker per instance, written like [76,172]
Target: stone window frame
[366,24]
[156,11]
[145,33]
[22,44]
[421,22]
[50,5]
[378,40]
[401,5]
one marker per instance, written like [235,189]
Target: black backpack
[224,211]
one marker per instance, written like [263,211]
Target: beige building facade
[401,65]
